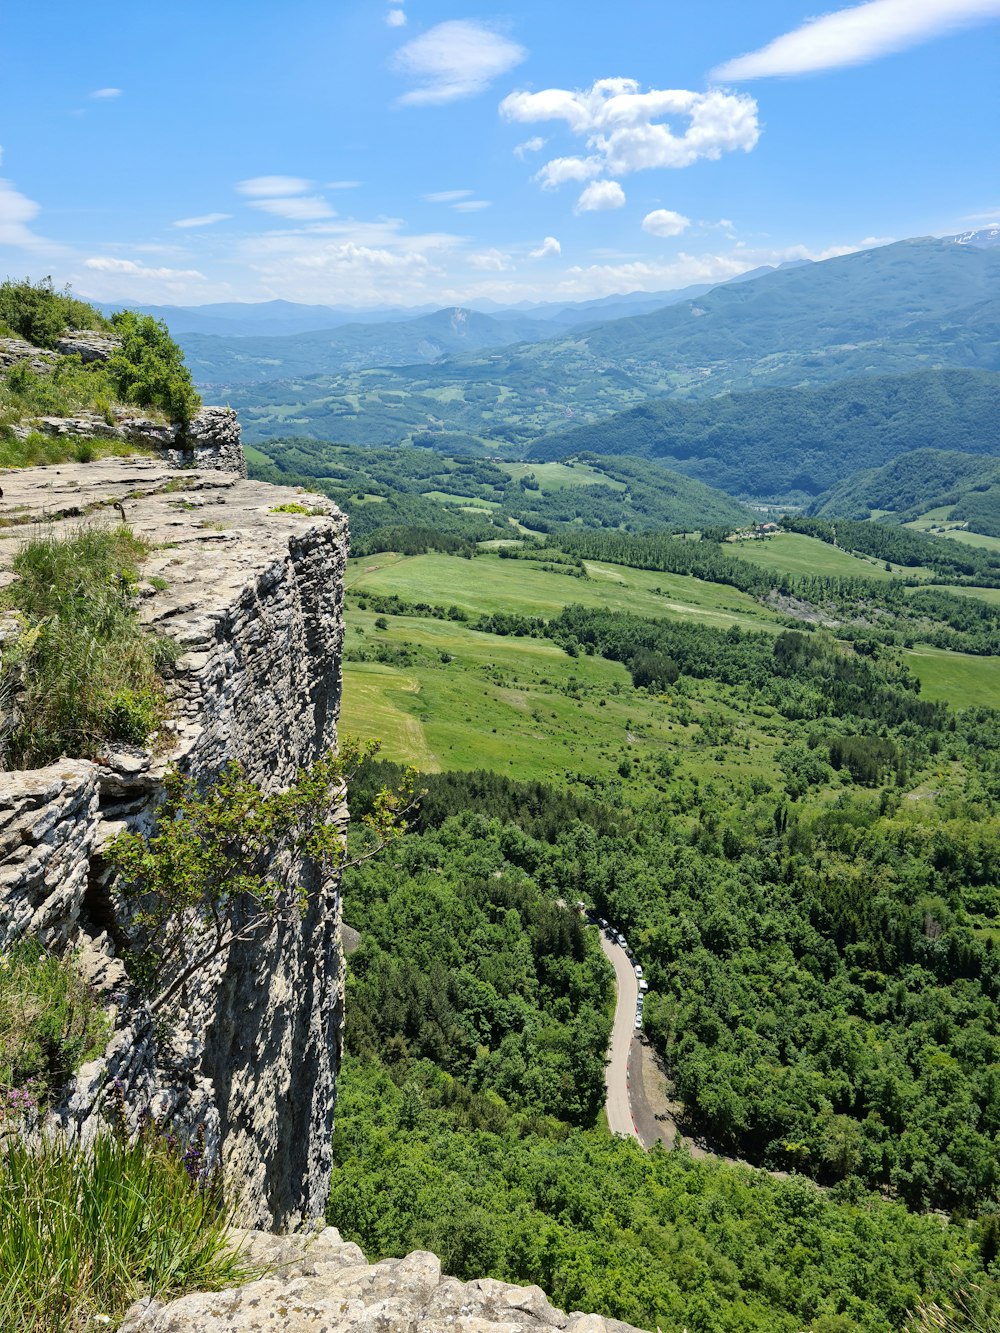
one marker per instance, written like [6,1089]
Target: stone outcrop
[253,597]
[321,1284]
[88,344]
[210,440]
[15,350]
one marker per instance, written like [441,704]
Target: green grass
[84,669]
[86,1231]
[557,476]
[490,583]
[958,679]
[50,1023]
[523,707]
[38,450]
[793,553]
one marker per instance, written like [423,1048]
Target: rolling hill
[914,483]
[793,444]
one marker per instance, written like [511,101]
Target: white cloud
[262,187]
[600,196]
[137,270]
[548,249]
[446,196]
[105,94]
[490,261]
[533,145]
[855,35]
[472,205]
[16,211]
[396,18]
[203,220]
[342,185]
[626,130]
[664,222]
[455,59]
[297,208]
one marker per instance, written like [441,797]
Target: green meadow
[794,553]
[958,679]
[522,706]
[490,583]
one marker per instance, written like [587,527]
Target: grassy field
[793,553]
[524,707]
[557,476]
[490,583]
[938,522]
[959,679]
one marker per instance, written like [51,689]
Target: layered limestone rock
[321,1284]
[210,440]
[253,597]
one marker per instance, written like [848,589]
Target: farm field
[793,553]
[958,679]
[490,583]
[521,706]
[557,476]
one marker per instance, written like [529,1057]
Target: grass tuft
[84,669]
[85,1232]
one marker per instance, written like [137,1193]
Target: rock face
[321,1285]
[254,599]
[210,440]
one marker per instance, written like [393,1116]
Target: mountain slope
[910,485]
[797,443]
[917,304]
[250,360]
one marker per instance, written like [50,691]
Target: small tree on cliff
[225,863]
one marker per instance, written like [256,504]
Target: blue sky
[436,151]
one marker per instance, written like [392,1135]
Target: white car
[638,1021]
[638,971]
[643,988]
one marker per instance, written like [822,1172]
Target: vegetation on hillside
[82,670]
[793,443]
[914,483]
[145,370]
[453,1132]
[385,491]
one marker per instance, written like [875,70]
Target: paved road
[616,1075]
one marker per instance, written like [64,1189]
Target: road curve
[616,1076]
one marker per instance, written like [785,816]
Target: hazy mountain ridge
[890,311]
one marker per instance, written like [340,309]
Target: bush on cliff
[148,368]
[38,313]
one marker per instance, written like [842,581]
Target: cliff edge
[247,579]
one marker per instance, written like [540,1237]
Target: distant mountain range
[923,304]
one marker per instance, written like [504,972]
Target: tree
[224,863]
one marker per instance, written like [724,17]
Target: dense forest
[793,443]
[916,482]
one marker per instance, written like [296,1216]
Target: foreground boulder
[322,1284]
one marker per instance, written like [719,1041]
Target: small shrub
[148,368]
[41,315]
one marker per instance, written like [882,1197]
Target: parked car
[638,971]
[602,923]
[622,941]
[643,988]
[638,1021]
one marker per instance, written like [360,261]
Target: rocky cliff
[253,596]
